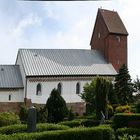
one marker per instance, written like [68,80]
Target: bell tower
[110,38]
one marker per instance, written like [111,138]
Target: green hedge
[23,128]
[129,131]
[74,123]
[126,120]
[95,133]
[90,123]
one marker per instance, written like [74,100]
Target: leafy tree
[137,85]
[123,86]
[88,96]
[56,106]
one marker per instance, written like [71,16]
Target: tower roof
[113,22]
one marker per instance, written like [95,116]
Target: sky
[62,25]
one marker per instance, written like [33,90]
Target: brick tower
[110,38]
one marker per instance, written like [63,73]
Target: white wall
[16,95]
[68,90]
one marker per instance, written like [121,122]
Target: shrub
[110,110]
[96,133]
[138,107]
[71,115]
[23,113]
[121,132]
[42,114]
[90,123]
[74,123]
[123,109]
[8,119]
[20,128]
[127,137]
[126,120]
[56,105]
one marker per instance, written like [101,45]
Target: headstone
[31,124]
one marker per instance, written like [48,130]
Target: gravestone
[31,124]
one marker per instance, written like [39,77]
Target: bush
[74,123]
[123,109]
[23,113]
[71,115]
[90,123]
[110,111]
[96,133]
[20,128]
[126,120]
[8,119]
[130,131]
[138,107]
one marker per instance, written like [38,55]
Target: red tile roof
[113,22]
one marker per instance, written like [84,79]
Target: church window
[9,97]
[59,88]
[78,88]
[38,89]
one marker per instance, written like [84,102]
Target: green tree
[88,96]
[137,85]
[101,98]
[56,106]
[123,86]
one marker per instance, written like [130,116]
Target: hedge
[95,133]
[74,123]
[126,120]
[23,128]
[129,131]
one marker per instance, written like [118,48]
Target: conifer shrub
[23,113]
[7,118]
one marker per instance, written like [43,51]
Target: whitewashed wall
[16,95]
[68,91]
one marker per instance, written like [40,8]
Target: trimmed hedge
[126,120]
[74,123]
[129,131]
[90,123]
[96,133]
[23,128]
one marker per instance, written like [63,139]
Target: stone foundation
[10,107]
[78,107]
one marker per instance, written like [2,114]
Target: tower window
[38,89]
[99,35]
[9,98]
[59,88]
[78,88]
[118,38]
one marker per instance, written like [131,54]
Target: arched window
[59,88]
[9,97]
[78,88]
[38,89]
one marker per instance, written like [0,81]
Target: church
[37,71]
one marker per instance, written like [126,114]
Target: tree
[101,98]
[56,106]
[123,86]
[88,96]
[137,85]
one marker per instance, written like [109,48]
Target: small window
[59,88]
[99,35]
[38,89]
[9,97]
[118,38]
[78,88]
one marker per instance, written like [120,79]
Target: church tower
[110,38]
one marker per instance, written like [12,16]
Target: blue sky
[28,24]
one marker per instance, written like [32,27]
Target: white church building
[37,71]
